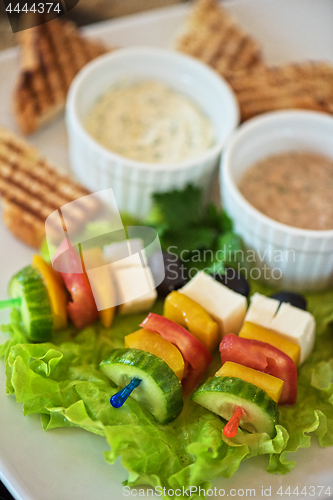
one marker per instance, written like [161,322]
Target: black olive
[234,280]
[295,299]
[176,274]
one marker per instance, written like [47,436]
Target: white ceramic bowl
[294,258]
[133,182]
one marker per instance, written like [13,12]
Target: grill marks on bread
[52,54]
[213,36]
[307,85]
[31,189]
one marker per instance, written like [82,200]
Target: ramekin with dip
[150,122]
[143,120]
[277,185]
[295,188]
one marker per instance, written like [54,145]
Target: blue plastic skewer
[118,399]
[4,304]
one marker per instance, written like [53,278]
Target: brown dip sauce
[295,188]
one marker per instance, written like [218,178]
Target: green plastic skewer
[4,304]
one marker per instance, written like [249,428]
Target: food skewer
[159,389]
[6,304]
[247,389]
[231,428]
[170,354]
[118,399]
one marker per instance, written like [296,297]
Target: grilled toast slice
[213,36]
[305,85]
[31,189]
[51,56]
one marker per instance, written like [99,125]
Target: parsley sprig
[187,225]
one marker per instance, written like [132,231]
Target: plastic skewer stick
[230,430]
[5,304]
[118,399]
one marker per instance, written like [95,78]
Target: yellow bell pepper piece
[256,332]
[155,344]
[188,313]
[55,289]
[272,385]
[107,316]
[92,258]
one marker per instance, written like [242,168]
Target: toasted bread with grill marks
[51,56]
[213,36]
[31,189]
[307,85]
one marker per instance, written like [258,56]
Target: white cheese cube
[290,322]
[262,310]
[135,289]
[100,278]
[130,261]
[125,253]
[116,251]
[227,307]
[295,325]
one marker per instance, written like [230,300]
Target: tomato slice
[82,311]
[263,357]
[196,355]
[82,308]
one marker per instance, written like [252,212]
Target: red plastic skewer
[230,430]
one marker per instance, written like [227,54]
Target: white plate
[68,464]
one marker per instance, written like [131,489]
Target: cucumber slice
[222,395]
[160,391]
[36,313]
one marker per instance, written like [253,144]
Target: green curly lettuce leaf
[61,382]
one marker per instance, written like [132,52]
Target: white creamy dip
[150,122]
